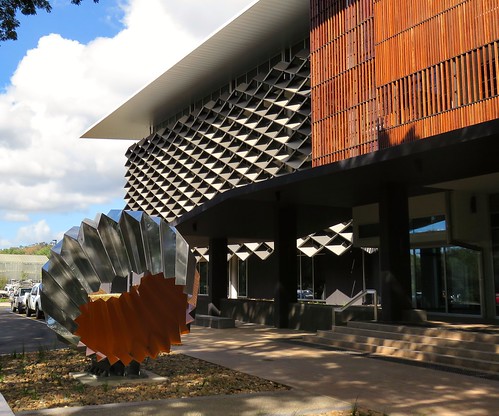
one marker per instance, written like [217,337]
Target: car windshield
[23,291]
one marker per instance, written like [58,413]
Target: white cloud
[204,13]
[36,232]
[62,87]
[15,217]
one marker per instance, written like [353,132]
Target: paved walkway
[386,386]
[321,380]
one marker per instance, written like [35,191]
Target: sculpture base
[104,368]
[92,380]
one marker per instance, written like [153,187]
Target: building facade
[380,80]
[329,146]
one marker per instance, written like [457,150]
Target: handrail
[355,299]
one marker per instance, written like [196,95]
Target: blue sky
[83,23]
[67,70]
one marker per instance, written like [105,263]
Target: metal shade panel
[60,273]
[181,260]
[132,236]
[92,244]
[168,249]
[57,314]
[112,239]
[152,246]
[58,296]
[78,261]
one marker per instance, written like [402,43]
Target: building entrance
[446,280]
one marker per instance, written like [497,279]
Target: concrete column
[217,275]
[233,277]
[285,250]
[394,256]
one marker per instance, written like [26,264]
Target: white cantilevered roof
[252,37]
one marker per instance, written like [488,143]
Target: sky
[67,70]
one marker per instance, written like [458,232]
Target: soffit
[254,36]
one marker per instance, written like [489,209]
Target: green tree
[10,8]
[43,251]
[3,281]
[12,250]
[40,249]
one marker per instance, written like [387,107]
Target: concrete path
[288,403]
[391,387]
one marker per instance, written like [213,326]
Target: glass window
[202,267]
[305,278]
[446,279]
[494,220]
[462,267]
[309,285]
[428,224]
[242,278]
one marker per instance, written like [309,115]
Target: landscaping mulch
[41,380]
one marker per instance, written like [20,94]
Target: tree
[9,9]
[39,249]
[43,251]
[3,281]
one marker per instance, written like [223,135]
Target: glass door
[446,279]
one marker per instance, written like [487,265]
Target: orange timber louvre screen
[342,77]
[435,70]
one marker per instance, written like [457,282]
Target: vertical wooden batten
[382,74]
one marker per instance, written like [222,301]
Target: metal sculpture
[123,285]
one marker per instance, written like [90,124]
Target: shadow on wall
[386,139]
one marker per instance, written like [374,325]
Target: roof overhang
[254,36]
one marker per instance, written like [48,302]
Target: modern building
[310,147]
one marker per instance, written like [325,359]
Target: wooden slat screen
[436,67]
[342,77]
[467,82]
[383,74]
[424,32]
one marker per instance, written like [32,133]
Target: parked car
[304,294]
[18,300]
[33,301]
[10,292]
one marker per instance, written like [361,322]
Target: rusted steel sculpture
[123,285]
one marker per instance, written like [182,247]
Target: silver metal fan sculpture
[123,285]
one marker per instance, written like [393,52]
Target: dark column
[217,275]
[285,250]
[394,256]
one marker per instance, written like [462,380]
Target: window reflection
[446,279]
[427,224]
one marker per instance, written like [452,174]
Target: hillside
[41,249]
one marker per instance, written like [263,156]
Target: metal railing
[355,299]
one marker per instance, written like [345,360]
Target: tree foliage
[3,281]
[10,8]
[40,249]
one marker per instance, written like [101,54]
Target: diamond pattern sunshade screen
[254,131]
